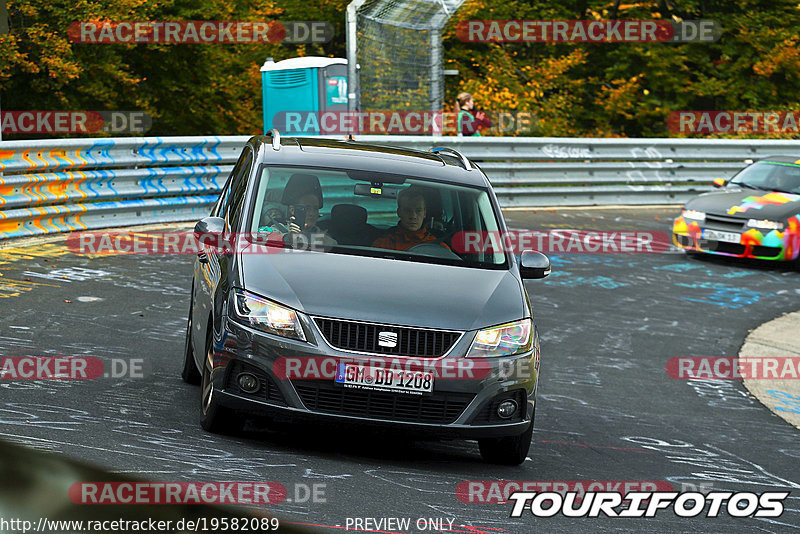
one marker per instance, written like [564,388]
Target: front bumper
[753,243]
[459,407]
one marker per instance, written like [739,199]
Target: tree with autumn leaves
[573,89]
[629,89]
[188,89]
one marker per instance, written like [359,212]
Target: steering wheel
[273,214]
[435,250]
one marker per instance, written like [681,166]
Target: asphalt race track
[607,411]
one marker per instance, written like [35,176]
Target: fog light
[507,409]
[248,382]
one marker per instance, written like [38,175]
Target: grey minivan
[333,285]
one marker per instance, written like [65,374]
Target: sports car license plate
[727,237]
[382,379]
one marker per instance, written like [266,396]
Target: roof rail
[453,152]
[276,138]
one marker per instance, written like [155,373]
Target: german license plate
[383,379]
[716,235]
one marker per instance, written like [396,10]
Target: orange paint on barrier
[58,189]
[79,158]
[37,221]
[32,164]
[5,155]
[5,191]
[7,227]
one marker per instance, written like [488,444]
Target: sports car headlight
[694,215]
[765,224]
[264,315]
[503,340]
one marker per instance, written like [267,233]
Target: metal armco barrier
[49,186]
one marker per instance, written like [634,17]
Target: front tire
[510,450]
[190,374]
[216,419]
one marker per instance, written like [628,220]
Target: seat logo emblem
[387,339]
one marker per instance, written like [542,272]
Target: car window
[360,213]
[232,211]
[222,201]
[770,176]
[223,195]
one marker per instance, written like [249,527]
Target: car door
[210,277]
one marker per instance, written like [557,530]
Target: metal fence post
[353,103]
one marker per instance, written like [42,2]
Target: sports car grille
[731,248]
[439,408]
[722,222]
[363,337]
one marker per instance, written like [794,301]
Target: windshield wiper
[745,184]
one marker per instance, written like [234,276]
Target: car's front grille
[439,408]
[735,249]
[723,222]
[363,337]
[766,252]
[268,390]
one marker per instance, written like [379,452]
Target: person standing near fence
[470,121]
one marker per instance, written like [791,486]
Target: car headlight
[765,224]
[694,215]
[503,340]
[265,315]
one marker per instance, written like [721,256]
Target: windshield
[770,176]
[356,212]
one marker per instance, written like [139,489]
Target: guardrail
[51,186]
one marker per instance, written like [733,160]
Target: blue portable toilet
[294,88]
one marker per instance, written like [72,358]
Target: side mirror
[209,228]
[533,265]
[719,182]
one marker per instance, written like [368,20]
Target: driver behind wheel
[302,194]
[411,229]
